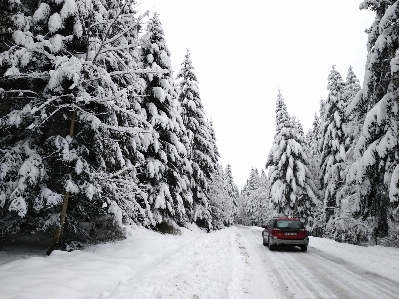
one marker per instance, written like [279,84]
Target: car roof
[285,218]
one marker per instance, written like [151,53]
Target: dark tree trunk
[58,232]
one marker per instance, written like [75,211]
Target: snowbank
[380,260]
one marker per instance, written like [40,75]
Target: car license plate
[290,234]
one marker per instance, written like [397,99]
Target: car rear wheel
[304,248]
[271,247]
[264,241]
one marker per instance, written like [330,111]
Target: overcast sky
[243,51]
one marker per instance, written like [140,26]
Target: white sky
[243,51]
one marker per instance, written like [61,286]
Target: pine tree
[333,147]
[202,149]
[312,149]
[254,180]
[167,172]
[381,48]
[252,198]
[76,124]
[221,203]
[245,206]
[283,119]
[290,179]
[232,190]
[344,228]
[214,149]
[376,169]
[266,209]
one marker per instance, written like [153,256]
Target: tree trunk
[58,232]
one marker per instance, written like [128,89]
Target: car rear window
[289,224]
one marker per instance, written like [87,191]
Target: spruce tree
[333,148]
[202,143]
[167,171]
[345,228]
[290,179]
[266,209]
[76,120]
[232,189]
[221,203]
[381,48]
[252,198]
[313,150]
[376,168]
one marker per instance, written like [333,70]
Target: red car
[285,231]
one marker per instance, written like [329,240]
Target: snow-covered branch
[116,37]
[124,47]
[130,71]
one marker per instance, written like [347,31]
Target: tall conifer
[202,143]
[292,188]
[333,147]
[166,176]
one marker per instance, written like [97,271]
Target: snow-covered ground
[231,263]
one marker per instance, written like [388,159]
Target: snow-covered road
[317,274]
[230,263]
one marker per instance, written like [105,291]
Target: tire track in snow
[341,280]
[290,280]
[256,286]
[277,282]
[359,282]
[302,278]
[316,274]
[332,288]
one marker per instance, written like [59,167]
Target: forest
[341,177]
[96,134]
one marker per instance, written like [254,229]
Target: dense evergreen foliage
[94,132]
[202,146]
[291,183]
[354,170]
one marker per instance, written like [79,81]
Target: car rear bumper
[289,242]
